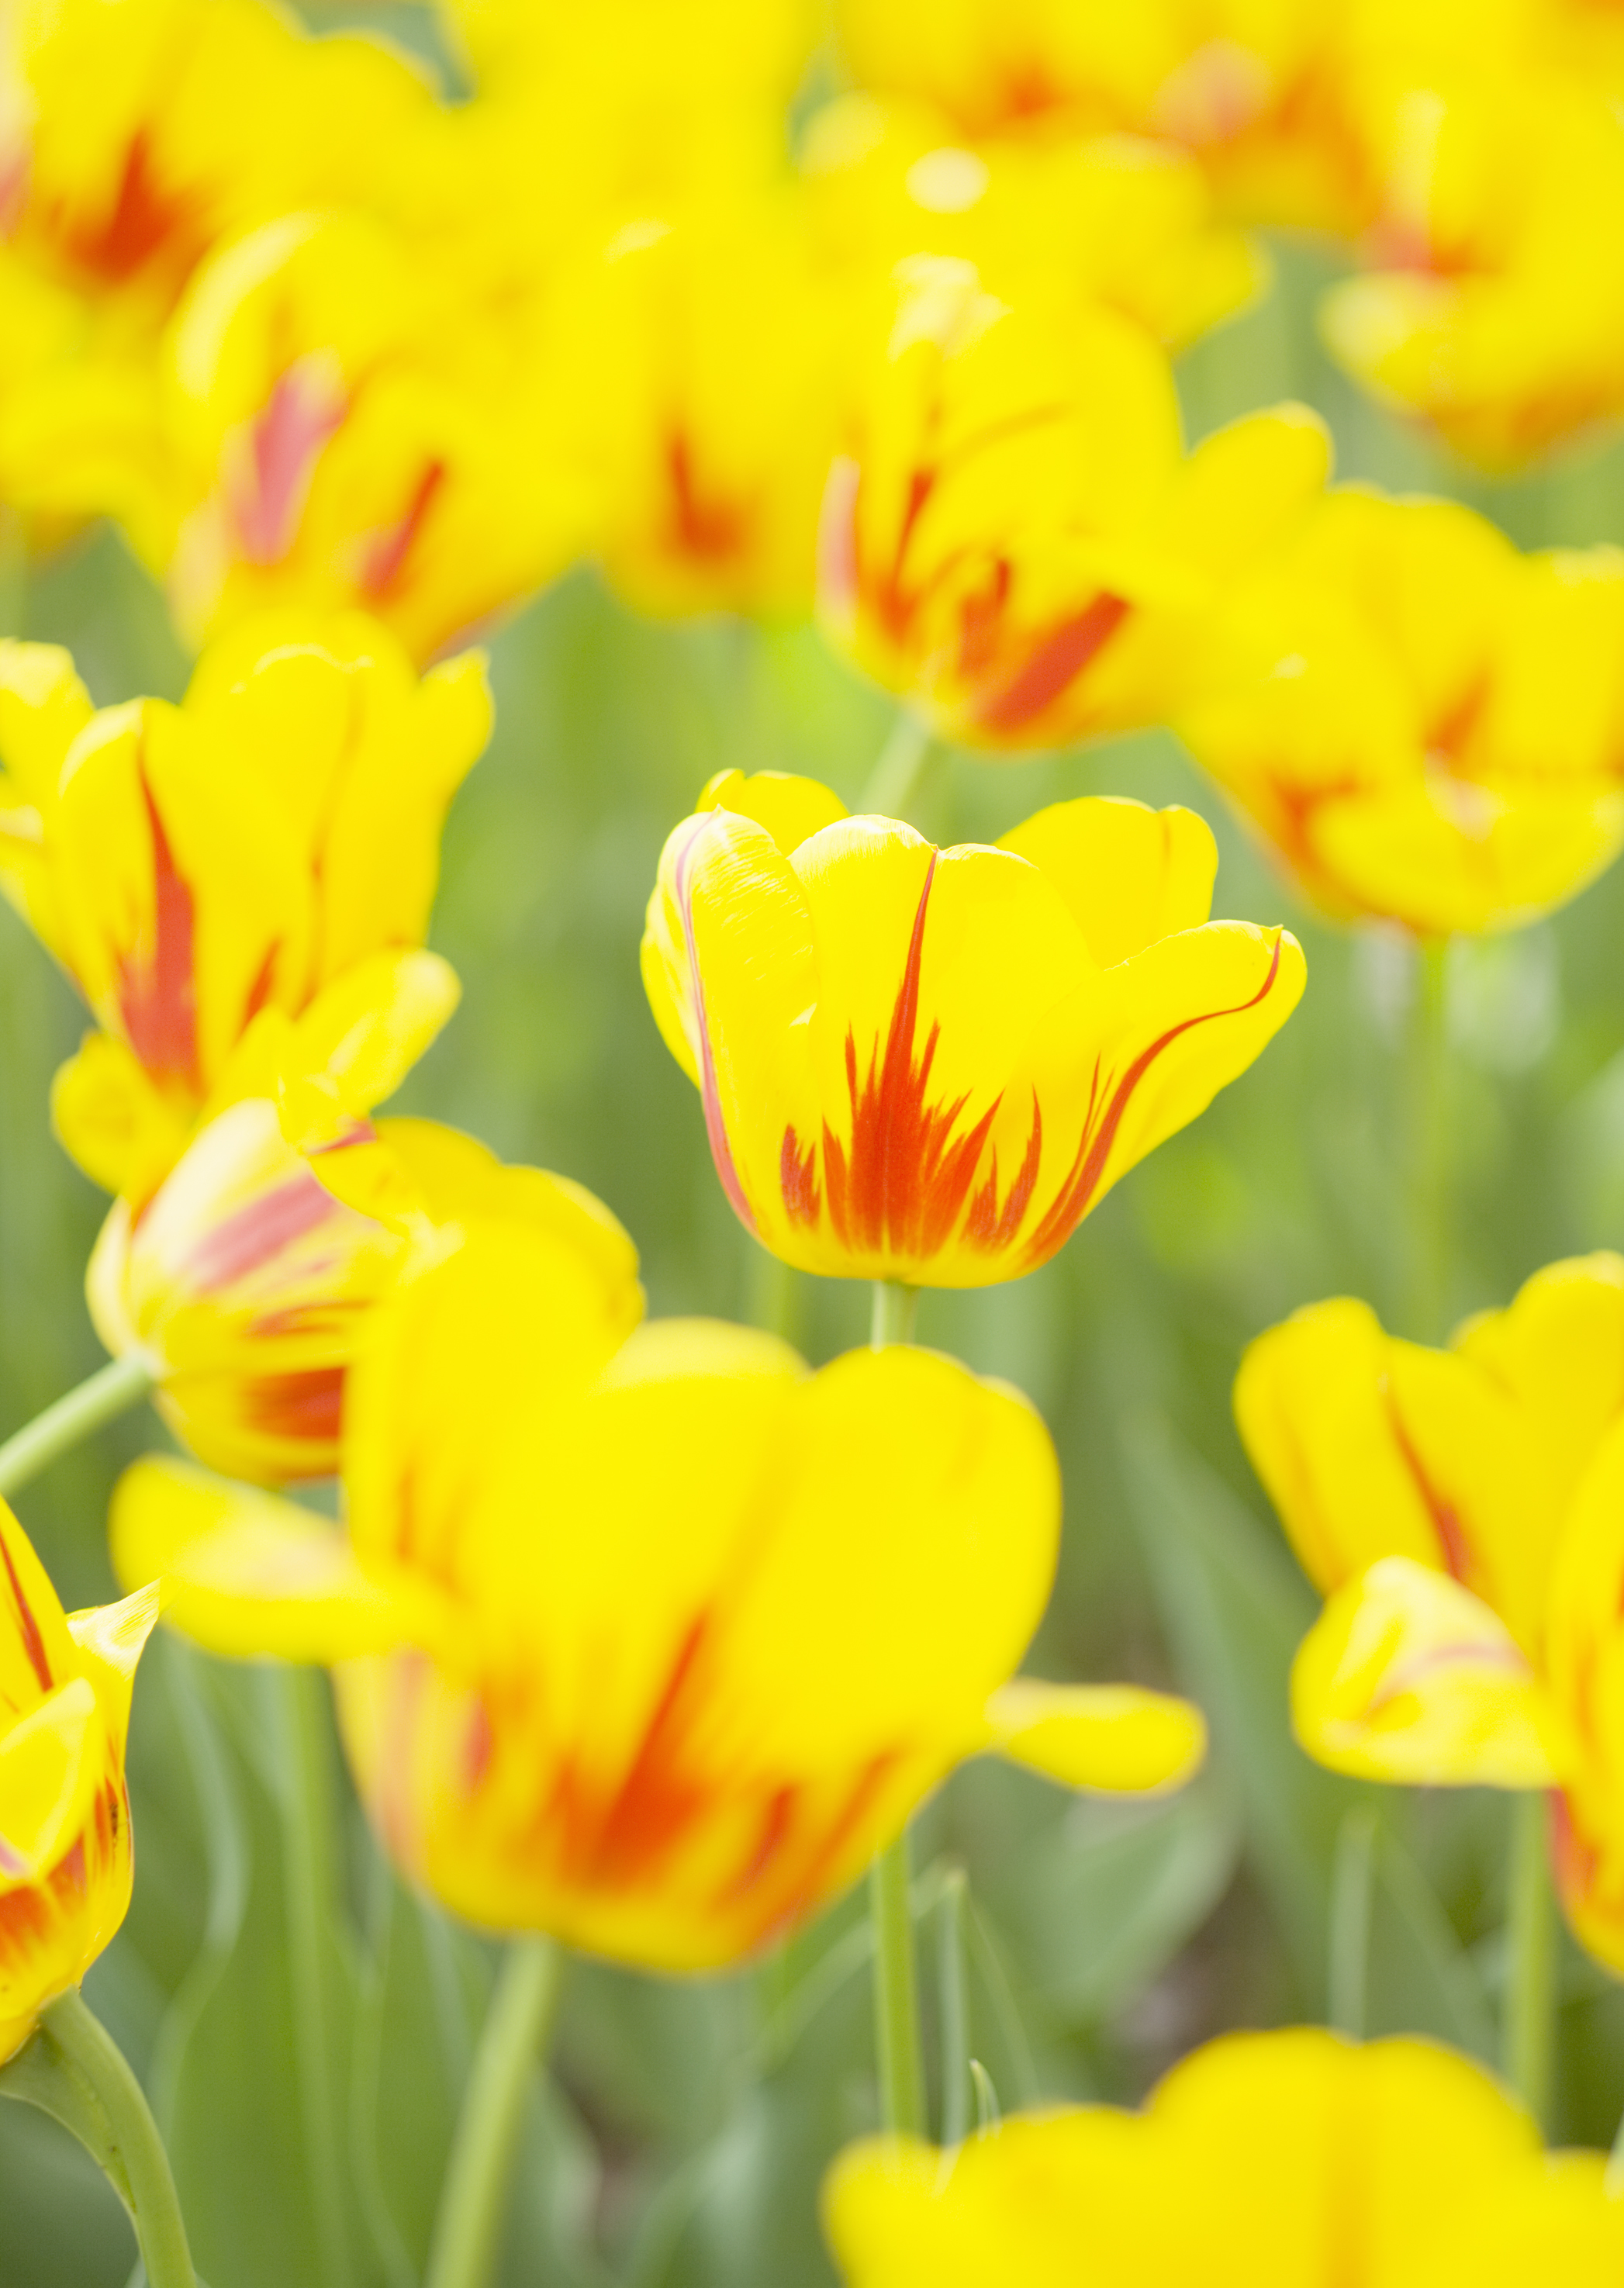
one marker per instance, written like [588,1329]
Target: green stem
[72,2069]
[1528,2018]
[13,575]
[310,1894]
[954,2003]
[895,1309]
[1427,1299]
[111,1391]
[896,1994]
[900,772]
[473,2204]
[1352,1896]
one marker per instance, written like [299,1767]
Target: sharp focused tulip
[237,886]
[1425,725]
[1282,2160]
[654,1644]
[928,1065]
[65,1852]
[1463,1512]
[1016,541]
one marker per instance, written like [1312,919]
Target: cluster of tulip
[645,1638]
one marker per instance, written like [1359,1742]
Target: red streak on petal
[1059,658]
[158,997]
[1067,1210]
[711,530]
[285,442]
[777,1821]
[715,1127]
[797,1177]
[247,1239]
[826,1849]
[32,1643]
[307,1406]
[142,223]
[837,561]
[1454,1542]
[386,565]
[656,1801]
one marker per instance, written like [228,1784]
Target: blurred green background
[685,2125]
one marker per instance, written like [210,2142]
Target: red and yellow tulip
[928,1065]
[239,885]
[1425,725]
[1463,1513]
[1016,541]
[650,1643]
[1282,2160]
[66,1864]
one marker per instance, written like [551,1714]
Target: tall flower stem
[111,1391]
[13,575]
[473,2204]
[1429,1236]
[1352,1899]
[1528,2018]
[896,1972]
[71,2068]
[899,770]
[958,2067]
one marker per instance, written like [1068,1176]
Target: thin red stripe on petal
[32,1643]
[158,996]
[1058,659]
[251,1236]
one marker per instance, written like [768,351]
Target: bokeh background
[685,2125]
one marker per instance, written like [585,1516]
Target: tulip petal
[791,809]
[1128,874]
[245,1573]
[1407,1677]
[49,1774]
[35,1648]
[366,1030]
[1115,1738]
[114,1121]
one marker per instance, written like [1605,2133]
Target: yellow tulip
[651,1644]
[1251,87]
[1283,2160]
[238,885]
[1425,725]
[65,1852]
[1017,543]
[1114,219]
[1463,1512]
[1495,305]
[928,1065]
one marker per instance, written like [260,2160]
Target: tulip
[1282,2160]
[1422,724]
[1462,1510]
[66,1865]
[927,1066]
[238,885]
[651,1645]
[1017,543]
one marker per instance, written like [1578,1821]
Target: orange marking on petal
[144,221]
[656,1800]
[709,529]
[32,1643]
[308,1405]
[249,1238]
[1453,1540]
[1058,659]
[385,566]
[797,1178]
[158,996]
[286,441]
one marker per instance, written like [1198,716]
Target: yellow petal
[49,1771]
[365,1032]
[121,1130]
[1128,874]
[36,1652]
[1112,1738]
[245,1573]
[1407,1677]
[790,809]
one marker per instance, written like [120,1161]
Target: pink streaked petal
[244,1241]
[307,405]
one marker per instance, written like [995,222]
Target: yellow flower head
[928,1065]
[1250,88]
[1017,543]
[1281,2160]
[238,885]
[1112,218]
[1426,726]
[64,1852]
[1463,1512]
[1494,304]
[651,1642]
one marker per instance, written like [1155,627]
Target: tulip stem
[111,1391]
[1529,2011]
[896,1994]
[953,2002]
[899,770]
[13,575]
[72,2069]
[1352,1897]
[474,2202]
[1428,1269]
[895,1309]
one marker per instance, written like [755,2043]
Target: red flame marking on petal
[252,1235]
[1453,1540]
[304,410]
[307,1406]
[1059,658]
[158,997]
[711,530]
[386,565]
[32,1643]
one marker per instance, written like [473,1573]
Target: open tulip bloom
[1463,1512]
[1281,2160]
[650,1643]
[66,1866]
[928,1065]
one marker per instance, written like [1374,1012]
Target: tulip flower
[1293,2159]
[1017,543]
[651,1644]
[1495,305]
[238,885]
[1463,1513]
[65,1851]
[1425,725]
[925,1065]
[1114,219]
